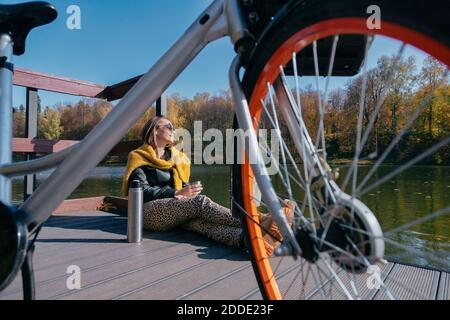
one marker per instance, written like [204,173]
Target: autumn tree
[49,127]
[430,79]
[19,122]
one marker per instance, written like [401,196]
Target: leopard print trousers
[199,214]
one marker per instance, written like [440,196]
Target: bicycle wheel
[336,219]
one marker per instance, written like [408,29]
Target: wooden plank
[356,285]
[254,294]
[51,146]
[444,287]
[235,284]
[410,283]
[104,262]
[176,265]
[283,267]
[95,253]
[95,278]
[72,221]
[111,232]
[100,264]
[136,273]
[92,253]
[201,274]
[293,286]
[86,204]
[195,280]
[40,146]
[39,80]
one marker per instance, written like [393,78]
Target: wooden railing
[30,145]
[43,81]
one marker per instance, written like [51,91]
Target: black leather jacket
[156,183]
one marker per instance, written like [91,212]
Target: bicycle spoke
[367,264]
[297,86]
[304,135]
[403,285]
[320,135]
[331,64]
[308,176]
[415,252]
[301,124]
[319,272]
[428,217]
[320,285]
[304,279]
[405,166]
[383,95]
[276,268]
[354,166]
[291,158]
[380,102]
[308,192]
[330,281]
[336,248]
[300,271]
[278,130]
[338,280]
[351,280]
[277,165]
[411,251]
[394,142]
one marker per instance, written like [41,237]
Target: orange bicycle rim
[281,57]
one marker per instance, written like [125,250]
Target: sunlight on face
[165,134]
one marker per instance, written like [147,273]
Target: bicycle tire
[428,20]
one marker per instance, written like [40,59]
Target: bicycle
[334,234]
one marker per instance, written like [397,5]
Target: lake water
[416,192]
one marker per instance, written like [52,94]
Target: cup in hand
[196,187]
[195,183]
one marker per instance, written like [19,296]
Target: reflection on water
[416,193]
[411,195]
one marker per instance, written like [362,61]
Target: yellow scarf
[146,156]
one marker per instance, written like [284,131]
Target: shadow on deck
[169,265]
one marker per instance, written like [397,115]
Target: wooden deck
[170,265]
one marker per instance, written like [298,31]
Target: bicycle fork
[257,163]
[314,165]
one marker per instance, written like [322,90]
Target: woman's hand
[190,191]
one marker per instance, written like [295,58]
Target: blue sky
[121,39]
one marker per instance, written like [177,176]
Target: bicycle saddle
[19,19]
[13,244]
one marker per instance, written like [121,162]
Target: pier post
[31,133]
[161,106]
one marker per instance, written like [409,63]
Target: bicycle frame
[221,18]
[218,20]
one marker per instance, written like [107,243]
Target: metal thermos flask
[135,212]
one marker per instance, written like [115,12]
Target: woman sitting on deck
[170,201]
